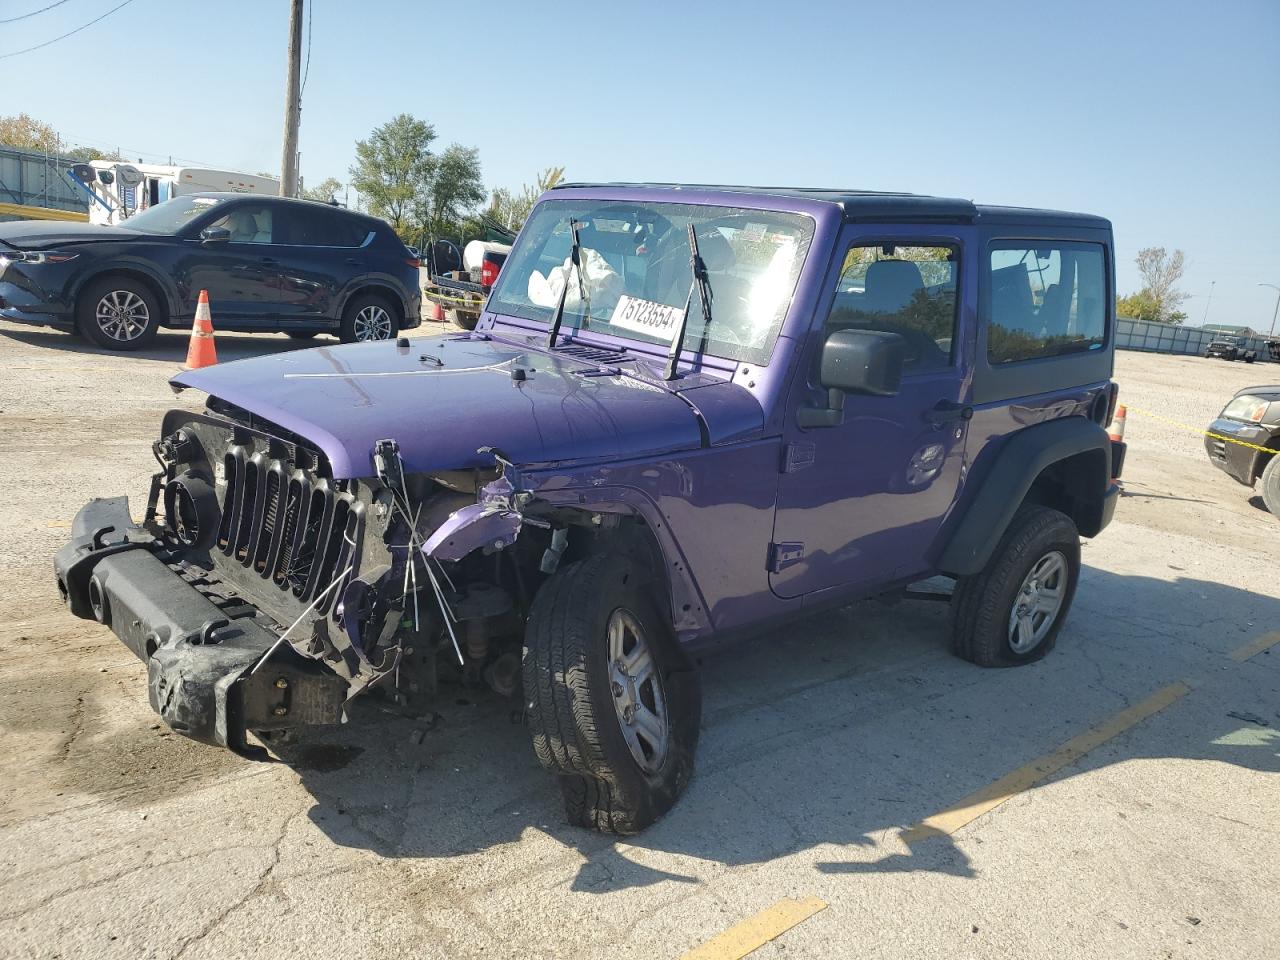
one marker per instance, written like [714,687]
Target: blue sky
[1163,116]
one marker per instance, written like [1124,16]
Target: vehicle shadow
[1258,503]
[172,344]
[168,344]
[837,733]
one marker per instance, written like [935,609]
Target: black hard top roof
[884,205]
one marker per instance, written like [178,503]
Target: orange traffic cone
[201,352]
[1116,429]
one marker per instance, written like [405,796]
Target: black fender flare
[995,495]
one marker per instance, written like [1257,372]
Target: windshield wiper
[575,258]
[703,288]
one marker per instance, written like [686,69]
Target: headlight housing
[34,256]
[1246,407]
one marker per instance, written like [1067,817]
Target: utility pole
[292,104]
[1209,302]
[1276,312]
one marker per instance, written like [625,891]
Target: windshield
[172,215]
[636,275]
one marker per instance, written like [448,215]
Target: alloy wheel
[122,315]
[1038,602]
[636,685]
[372,323]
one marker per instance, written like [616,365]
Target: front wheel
[118,313]
[1010,613]
[1269,483]
[367,317]
[613,706]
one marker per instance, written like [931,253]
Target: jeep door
[860,502]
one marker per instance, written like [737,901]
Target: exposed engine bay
[396,581]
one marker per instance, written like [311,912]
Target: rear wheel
[1270,485]
[368,317]
[118,313]
[613,707]
[1010,613]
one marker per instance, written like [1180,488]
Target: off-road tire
[577,734]
[123,287]
[347,330]
[1269,485]
[982,603]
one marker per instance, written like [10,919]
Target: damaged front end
[263,593]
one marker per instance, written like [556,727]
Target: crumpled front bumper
[200,659]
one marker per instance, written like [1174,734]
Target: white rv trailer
[122,189]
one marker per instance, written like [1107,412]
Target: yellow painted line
[1254,647]
[1024,778]
[754,932]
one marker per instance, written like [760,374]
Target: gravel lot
[119,839]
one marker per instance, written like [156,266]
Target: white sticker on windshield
[646,316]
[754,232]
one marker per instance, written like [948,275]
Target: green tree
[326,190]
[1160,272]
[395,171]
[512,208]
[456,189]
[27,133]
[85,154]
[1138,306]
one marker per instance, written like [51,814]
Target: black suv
[269,264]
[1231,348]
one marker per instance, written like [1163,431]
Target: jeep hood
[441,398]
[39,234]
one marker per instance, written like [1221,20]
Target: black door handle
[268,260]
[948,411]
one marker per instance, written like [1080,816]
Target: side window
[910,291]
[249,223]
[323,227]
[1045,301]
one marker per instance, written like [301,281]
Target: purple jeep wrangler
[688,414]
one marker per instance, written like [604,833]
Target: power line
[306,67]
[41,46]
[34,12]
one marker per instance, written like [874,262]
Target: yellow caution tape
[435,297]
[1205,433]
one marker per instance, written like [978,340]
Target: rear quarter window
[325,227]
[1046,299]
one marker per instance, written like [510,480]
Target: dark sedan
[1240,440]
[269,264]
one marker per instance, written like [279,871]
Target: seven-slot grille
[292,528]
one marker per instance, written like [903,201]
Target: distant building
[1229,330]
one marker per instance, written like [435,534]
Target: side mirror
[215,235]
[855,361]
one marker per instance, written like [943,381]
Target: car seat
[890,285]
[262,227]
